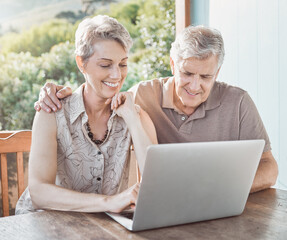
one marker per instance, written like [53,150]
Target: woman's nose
[115,73]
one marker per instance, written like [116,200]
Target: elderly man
[192,106]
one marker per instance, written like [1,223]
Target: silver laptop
[191,182]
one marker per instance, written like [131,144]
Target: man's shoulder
[157,82]
[148,87]
[231,95]
[148,92]
[230,90]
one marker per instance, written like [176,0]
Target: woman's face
[106,70]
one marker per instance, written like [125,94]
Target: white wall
[256,60]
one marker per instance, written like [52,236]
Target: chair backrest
[13,142]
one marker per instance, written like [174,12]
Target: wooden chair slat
[20,173]
[13,142]
[4,185]
[16,142]
[4,134]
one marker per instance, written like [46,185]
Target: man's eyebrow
[107,59]
[206,75]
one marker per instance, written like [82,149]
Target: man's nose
[115,73]
[195,82]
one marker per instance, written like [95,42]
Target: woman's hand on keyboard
[123,200]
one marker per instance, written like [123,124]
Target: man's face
[194,79]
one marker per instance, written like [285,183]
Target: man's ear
[80,63]
[171,62]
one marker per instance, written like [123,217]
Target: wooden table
[265,217]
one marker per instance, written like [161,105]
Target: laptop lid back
[190,182]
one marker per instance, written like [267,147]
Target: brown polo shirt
[228,114]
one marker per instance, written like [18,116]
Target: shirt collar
[213,101]
[77,106]
[214,98]
[167,94]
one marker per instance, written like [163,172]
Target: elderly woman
[79,155]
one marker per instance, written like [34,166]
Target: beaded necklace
[91,135]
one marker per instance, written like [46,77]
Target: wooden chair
[19,142]
[13,142]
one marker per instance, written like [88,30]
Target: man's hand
[49,97]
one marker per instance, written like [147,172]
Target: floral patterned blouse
[84,166]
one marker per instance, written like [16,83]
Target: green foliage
[133,76]
[60,65]
[157,29]
[46,53]
[15,109]
[152,27]
[70,16]
[22,76]
[39,39]
[127,14]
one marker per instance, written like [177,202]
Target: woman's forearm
[143,135]
[51,196]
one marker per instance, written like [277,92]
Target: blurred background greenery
[45,52]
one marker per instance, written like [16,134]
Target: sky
[21,14]
[12,8]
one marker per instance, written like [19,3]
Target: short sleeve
[251,125]
[134,89]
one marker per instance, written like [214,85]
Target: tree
[46,53]
[70,16]
[21,77]
[152,27]
[157,30]
[90,6]
[38,39]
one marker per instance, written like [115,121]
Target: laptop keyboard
[129,215]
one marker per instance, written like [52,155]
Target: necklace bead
[91,135]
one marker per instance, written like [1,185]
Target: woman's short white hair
[200,42]
[100,27]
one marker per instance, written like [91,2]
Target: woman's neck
[95,106]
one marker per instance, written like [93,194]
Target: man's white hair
[199,42]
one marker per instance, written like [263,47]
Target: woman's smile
[112,85]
